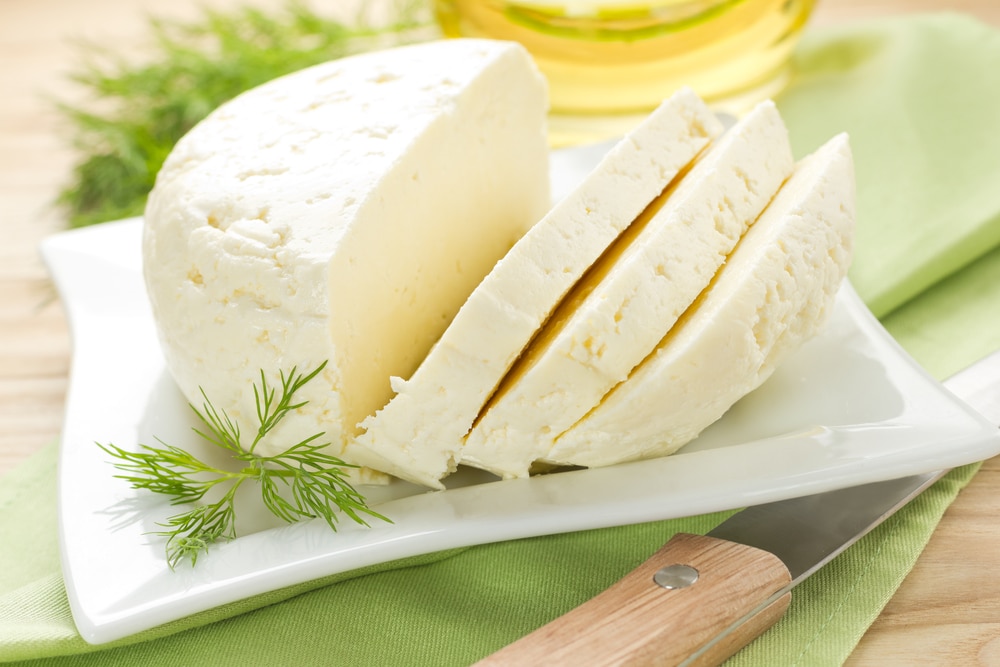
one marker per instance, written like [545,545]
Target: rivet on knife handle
[639,621]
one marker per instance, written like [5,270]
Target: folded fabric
[919,97]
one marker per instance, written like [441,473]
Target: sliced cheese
[618,314]
[775,291]
[435,408]
[342,213]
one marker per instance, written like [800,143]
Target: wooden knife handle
[639,622]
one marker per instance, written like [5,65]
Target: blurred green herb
[139,111]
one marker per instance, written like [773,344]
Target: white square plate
[851,407]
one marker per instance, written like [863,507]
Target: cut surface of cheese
[622,309]
[434,409]
[342,213]
[775,292]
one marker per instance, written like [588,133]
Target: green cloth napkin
[920,97]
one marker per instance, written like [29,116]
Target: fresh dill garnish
[315,480]
[138,111]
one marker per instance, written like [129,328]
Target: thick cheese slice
[342,213]
[618,314]
[434,409]
[775,292]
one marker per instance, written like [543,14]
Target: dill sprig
[313,480]
[138,111]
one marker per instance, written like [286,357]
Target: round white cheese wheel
[342,213]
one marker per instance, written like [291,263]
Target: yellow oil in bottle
[616,58]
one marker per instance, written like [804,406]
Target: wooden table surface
[947,611]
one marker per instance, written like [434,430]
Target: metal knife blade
[727,587]
[807,532]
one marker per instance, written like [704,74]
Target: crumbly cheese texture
[342,213]
[774,293]
[616,316]
[434,409]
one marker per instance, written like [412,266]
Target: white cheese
[775,291]
[615,317]
[435,408]
[342,213]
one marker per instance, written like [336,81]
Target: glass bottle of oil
[620,57]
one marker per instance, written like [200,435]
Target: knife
[701,598]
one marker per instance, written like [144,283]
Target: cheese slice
[434,409]
[618,314]
[342,213]
[775,292]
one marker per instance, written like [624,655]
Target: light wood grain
[946,613]
[638,622]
